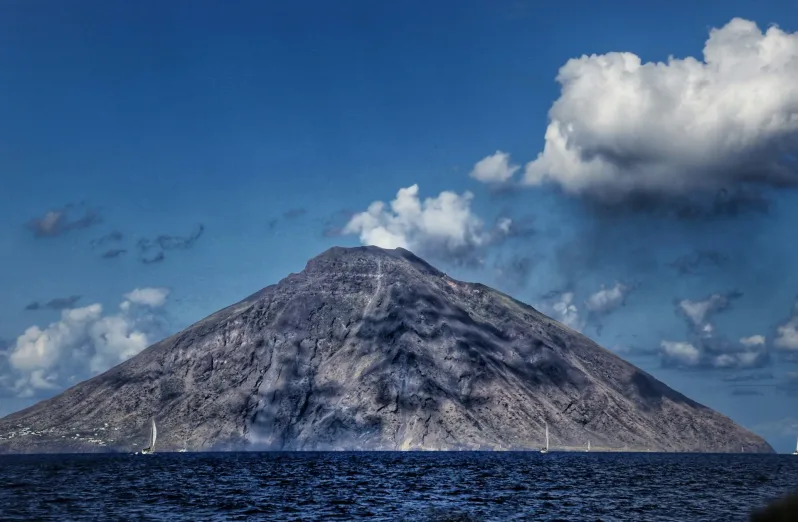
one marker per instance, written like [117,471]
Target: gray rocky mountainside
[372,349]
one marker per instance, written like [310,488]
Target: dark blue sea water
[392,486]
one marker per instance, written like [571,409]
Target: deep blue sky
[164,115]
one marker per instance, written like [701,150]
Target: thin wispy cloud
[154,250]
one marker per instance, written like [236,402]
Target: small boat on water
[796,448]
[588,447]
[546,449]
[153,435]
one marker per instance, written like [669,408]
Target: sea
[395,486]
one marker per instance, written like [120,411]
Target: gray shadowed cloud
[294,213]
[703,206]
[59,221]
[752,383]
[596,246]
[113,253]
[789,384]
[156,258]
[334,224]
[704,347]
[513,269]
[58,303]
[110,237]
[154,250]
[698,261]
[743,392]
[750,377]
[289,215]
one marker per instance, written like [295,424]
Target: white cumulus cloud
[699,313]
[150,296]
[681,352]
[754,340]
[607,299]
[495,168]
[443,226]
[84,342]
[623,128]
[566,312]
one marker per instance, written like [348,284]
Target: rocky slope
[373,349]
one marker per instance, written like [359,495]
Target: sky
[628,168]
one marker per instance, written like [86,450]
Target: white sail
[546,449]
[547,436]
[153,436]
[796,448]
[588,445]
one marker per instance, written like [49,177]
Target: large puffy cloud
[495,168]
[705,348]
[84,342]
[443,226]
[622,128]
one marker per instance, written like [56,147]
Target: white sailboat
[588,446]
[796,448]
[153,435]
[546,449]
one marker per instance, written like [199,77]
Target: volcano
[373,349]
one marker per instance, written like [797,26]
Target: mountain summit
[374,349]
